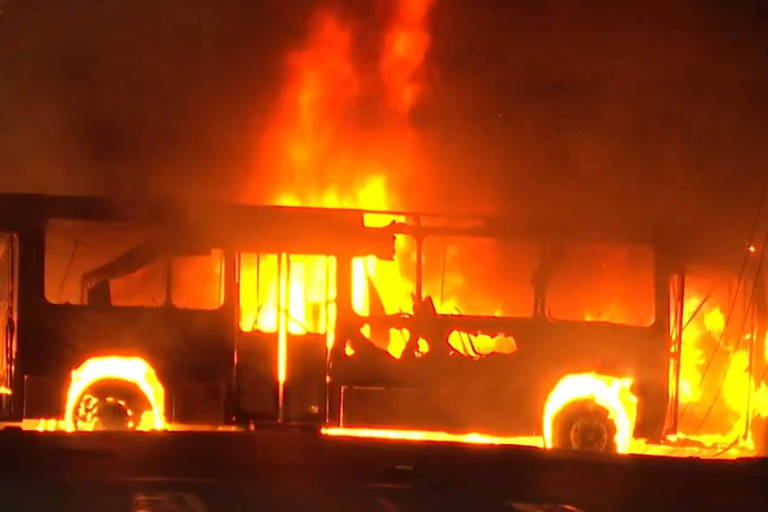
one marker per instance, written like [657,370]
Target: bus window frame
[166,261]
[653,306]
[420,274]
[224,276]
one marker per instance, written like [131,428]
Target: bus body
[470,390]
[212,371]
[252,313]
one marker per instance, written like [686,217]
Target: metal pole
[442,278]
[678,348]
[750,369]
[283,269]
[419,262]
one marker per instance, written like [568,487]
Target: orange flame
[405,47]
[129,369]
[719,404]
[610,392]
[323,152]
[325,156]
[429,435]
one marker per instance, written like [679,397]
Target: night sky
[635,110]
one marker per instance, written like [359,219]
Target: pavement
[300,470]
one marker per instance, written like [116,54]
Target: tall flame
[405,47]
[333,140]
[720,393]
[325,153]
[340,137]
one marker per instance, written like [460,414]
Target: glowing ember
[637,446]
[427,435]
[129,369]
[610,392]
[476,345]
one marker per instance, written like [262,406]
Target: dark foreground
[295,470]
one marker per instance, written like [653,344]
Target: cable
[727,447]
[732,304]
[750,305]
[698,308]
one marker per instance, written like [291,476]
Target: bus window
[79,254]
[598,282]
[311,285]
[144,287]
[258,292]
[480,276]
[308,288]
[385,286]
[197,282]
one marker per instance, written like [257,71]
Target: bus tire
[584,426]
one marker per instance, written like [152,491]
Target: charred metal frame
[52,339]
[639,352]
[677,350]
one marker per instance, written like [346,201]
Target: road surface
[297,470]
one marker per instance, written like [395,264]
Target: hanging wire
[750,305]
[732,303]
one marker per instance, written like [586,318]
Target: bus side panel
[501,393]
[191,351]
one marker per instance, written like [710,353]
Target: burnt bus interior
[341,317]
[500,312]
[482,346]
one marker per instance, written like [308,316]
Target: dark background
[635,110]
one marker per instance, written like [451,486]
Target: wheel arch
[609,392]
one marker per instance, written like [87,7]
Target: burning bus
[145,315]
[139,314]
[593,337]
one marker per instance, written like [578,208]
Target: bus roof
[255,228]
[312,230]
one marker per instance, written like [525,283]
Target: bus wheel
[110,405]
[113,416]
[584,426]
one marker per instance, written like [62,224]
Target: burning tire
[115,392]
[114,415]
[110,405]
[584,426]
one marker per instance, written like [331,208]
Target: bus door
[287,318]
[8,317]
